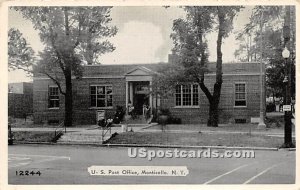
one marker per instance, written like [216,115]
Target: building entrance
[140,96]
[139,101]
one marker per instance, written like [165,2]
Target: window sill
[55,108]
[187,107]
[239,106]
[100,108]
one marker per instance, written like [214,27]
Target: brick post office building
[103,87]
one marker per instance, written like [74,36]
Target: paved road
[69,165]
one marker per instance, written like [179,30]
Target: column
[126,97]
[131,92]
[150,97]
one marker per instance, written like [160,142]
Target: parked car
[10,135]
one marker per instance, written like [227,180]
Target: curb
[186,146]
[155,146]
[30,142]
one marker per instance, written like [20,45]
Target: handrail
[107,128]
[59,129]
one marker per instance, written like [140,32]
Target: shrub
[271,107]
[119,115]
[171,119]
[164,111]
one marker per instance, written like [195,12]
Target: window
[101,96]
[186,95]
[240,94]
[53,97]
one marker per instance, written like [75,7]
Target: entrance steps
[87,136]
[94,135]
[140,119]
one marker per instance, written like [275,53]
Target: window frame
[51,99]
[191,88]
[234,95]
[105,96]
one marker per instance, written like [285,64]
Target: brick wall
[82,112]
[227,111]
[20,102]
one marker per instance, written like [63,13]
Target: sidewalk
[222,129]
[93,134]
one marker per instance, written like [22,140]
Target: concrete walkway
[218,132]
[93,133]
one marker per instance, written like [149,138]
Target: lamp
[285,53]
[287,114]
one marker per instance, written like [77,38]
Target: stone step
[86,136]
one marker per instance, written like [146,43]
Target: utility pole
[287,114]
[261,124]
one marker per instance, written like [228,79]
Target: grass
[275,121]
[34,136]
[197,139]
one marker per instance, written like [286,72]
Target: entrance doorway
[140,96]
[139,101]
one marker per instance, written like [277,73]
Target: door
[139,101]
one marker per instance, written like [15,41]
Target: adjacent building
[20,99]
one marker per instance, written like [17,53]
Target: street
[66,164]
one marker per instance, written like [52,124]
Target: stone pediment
[140,71]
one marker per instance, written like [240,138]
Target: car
[10,135]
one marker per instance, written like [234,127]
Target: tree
[20,54]
[191,46]
[73,36]
[273,43]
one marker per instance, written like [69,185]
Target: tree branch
[56,82]
[54,47]
[205,91]
[18,67]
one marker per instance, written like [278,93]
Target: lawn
[34,136]
[197,139]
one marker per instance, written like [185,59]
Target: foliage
[20,54]
[191,47]
[119,115]
[73,36]
[268,22]
[164,111]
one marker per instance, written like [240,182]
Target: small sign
[287,108]
[100,114]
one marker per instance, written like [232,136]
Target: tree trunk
[68,99]
[213,119]
[68,75]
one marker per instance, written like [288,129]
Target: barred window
[53,98]
[101,96]
[240,94]
[186,95]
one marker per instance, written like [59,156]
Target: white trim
[101,108]
[181,97]
[142,68]
[193,107]
[246,95]
[138,78]
[235,74]
[86,77]
[103,77]
[58,99]
[54,108]
[101,85]
[123,76]
[126,96]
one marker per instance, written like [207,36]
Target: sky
[143,36]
